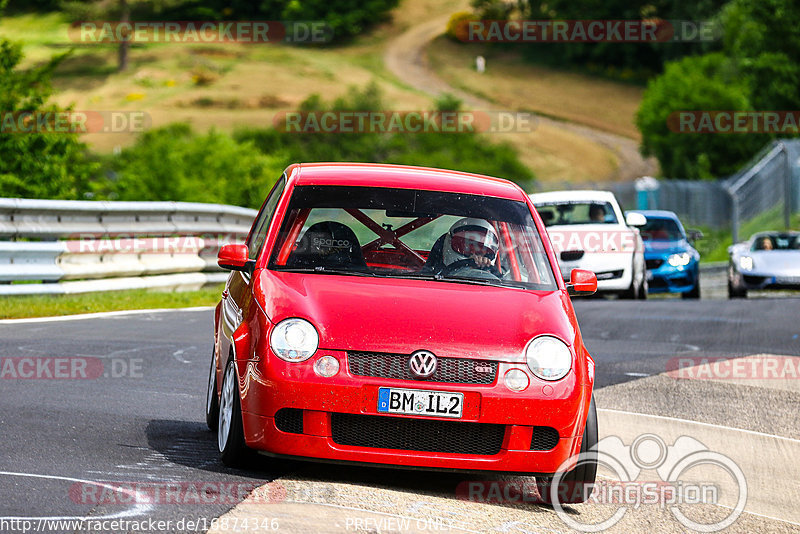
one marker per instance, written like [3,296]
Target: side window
[259,234]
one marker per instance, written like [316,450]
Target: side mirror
[635,219]
[235,258]
[694,235]
[581,282]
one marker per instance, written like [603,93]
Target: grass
[714,245]
[514,83]
[247,85]
[16,307]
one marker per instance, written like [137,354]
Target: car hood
[657,249]
[401,316]
[778,262]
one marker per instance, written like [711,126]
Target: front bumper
[769,281]
[668,279]
[273,385]
[614,270]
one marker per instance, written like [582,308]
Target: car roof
[577,195]
[657,213]
[403,177]
[774,233]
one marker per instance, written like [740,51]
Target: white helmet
[468,237]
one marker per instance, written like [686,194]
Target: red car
[403,316]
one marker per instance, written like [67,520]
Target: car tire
[694,293]
[644,288]
[734,290]
[212,400]
[577,484]
[230,431]
[635,292]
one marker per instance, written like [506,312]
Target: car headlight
[679,260]
[548,358]
[294,340]
[746,263]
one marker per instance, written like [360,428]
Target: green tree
[698,83]
[36,165]
[174,163]
[757,69]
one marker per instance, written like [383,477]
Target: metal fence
[770,182]
[82,246]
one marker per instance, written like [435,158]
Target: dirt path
[405,58]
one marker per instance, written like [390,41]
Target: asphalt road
[146,426]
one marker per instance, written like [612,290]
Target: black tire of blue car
[695,291]
[576,486]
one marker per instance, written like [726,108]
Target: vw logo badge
[422,364]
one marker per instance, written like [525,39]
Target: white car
[588,231]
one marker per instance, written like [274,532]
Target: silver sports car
[768,260]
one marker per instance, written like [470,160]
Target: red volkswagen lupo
[403,316]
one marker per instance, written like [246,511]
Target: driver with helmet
[470,249]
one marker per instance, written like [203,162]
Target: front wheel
[576,485]
[230,431]
[212,401]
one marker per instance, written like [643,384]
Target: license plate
[420,402]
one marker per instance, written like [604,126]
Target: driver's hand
[482,262]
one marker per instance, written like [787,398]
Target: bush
[174,163]
[709,82]
[37,165]
[457,29]
[470,152]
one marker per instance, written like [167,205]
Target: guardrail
[82,246]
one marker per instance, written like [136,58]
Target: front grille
[653,264]
[289,420]
[609,275]
[657,283]
[544,438]
[400,433]
[571,255]
[448,370]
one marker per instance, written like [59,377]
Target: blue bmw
[672,262]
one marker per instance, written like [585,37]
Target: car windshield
[579,212]
[404,233]
[776,242]
[661,229]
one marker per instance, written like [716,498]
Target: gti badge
[422,364]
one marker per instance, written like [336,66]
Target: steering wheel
[468,262]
